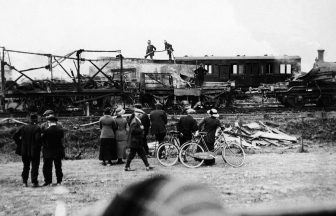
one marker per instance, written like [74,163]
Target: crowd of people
[118,133]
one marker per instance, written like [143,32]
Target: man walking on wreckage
[169,49]
[150,50]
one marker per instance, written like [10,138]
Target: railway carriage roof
[236,58]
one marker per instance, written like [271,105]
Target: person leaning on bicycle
[187,125]
[210,124]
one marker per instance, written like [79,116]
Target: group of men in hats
[31,139]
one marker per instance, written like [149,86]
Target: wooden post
[3,80]
[78,55]
[50,67]
[87,110]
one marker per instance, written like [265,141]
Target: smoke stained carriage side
[246,71]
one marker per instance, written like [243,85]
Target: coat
[108,126]
[136,134]
[209,125]
[158,119]
[187,125]
[150,50]
[122,128]
[145,121]
[53,142]
[28,140]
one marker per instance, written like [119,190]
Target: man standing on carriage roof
[150,50]
[169,49]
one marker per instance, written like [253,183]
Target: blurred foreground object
[161,195]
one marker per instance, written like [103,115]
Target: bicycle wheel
[233,154]
[167,154]
[188,155]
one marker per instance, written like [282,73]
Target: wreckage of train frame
[119,80]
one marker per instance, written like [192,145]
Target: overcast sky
[194,27]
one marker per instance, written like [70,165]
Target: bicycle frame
[219,144]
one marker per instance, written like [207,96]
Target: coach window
[240,69]
[209,69]
[282,69]
[269,69]
[234,69]
[288,69]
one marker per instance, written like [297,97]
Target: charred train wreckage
[94,83]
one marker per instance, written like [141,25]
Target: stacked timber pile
[256,134]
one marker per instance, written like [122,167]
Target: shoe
[149,168]
[46,184]
[25,184]
[59,184]
[120,162]
[35,185]
[109,164]
[129,169]
[103,163]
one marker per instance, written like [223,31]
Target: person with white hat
[210,124]
[135,141]
[144,118]
[121,134]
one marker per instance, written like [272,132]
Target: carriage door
[224,72]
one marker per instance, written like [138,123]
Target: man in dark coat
[169,49]
[135,142]
[158,119]
[144,118]
[210,125]
[199,75]
[28,140]
[187,125]
[53,151]
[150,50]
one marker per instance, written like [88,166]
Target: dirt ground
[279,179]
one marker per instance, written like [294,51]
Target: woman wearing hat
[210,125]
[121,134]
[108,146]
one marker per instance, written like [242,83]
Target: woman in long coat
[135,142]
[121,134]
[108,146]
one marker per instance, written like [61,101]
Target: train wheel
[297,101]
[326,101]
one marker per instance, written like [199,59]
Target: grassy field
[269,179]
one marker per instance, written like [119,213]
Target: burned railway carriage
[247,71]
[118,80]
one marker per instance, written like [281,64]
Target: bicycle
[168,152]
[193,154]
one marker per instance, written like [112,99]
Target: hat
[136,110]
[52,118]
[120,111]
[138,105]
[159,106]
[107,110]
[33,117]
[213,112]
[48,112]
[190,111]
